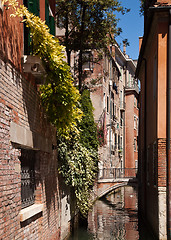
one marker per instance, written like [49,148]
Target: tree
[88,24]
[142,5]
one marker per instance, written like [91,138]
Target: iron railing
[116,173]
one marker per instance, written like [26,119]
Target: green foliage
[59,97]
[77,156]
[88,24]
[142,6]
[78,165]
[87,126]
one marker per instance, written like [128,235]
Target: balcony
[34,65]
[132,86]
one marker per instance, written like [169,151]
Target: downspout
[110,104]
[169,129]
[145,135]
[124,146]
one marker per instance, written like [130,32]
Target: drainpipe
[124,130]
[110,103]
[169,129]
[145,136]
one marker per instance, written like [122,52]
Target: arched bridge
[113,178]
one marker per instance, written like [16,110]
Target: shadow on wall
[11,38]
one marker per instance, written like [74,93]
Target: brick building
[129,112]
[34,203]
[115,99]
[153,70]
[105,99]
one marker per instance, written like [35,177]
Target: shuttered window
[33,6]
[50,21]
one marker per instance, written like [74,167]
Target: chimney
[124,47]
[140,42]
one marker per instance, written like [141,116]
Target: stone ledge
[31,211]
[23,137]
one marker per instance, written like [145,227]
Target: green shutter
[33,6]
[52,25]
[47,12]
[50,21]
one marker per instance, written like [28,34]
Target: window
[121,70]
[27,178]
[88,61]
[115,141]
[33,7]
[136,164]
[121,96]
[50,21]
[119,147]
[121,119]
[107,104]
[135,144]
[135,122]
[104,100]
[121,142]
[135,101]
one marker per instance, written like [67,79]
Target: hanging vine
[78,163]
[59,97]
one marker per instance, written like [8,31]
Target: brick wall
[20,105]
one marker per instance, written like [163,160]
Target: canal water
[115,217]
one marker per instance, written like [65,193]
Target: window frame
[27,178]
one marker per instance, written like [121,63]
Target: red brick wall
[11,38]
[19,103]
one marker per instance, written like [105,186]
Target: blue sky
[132,27]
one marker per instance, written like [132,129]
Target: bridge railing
[115,173]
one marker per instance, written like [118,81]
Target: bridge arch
[115,185]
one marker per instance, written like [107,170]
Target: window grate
[27,178]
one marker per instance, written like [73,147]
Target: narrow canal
[115,217]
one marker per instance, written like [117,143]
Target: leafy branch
[77,157]
[59,97]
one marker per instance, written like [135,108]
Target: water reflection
[115,217]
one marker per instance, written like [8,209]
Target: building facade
[105,99]
[35,204]
[129,112]
[115,99]
[153,70]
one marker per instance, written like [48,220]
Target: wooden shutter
[50,21]
[33,6]
[52,25]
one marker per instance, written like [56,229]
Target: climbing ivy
[78,156]
[77,136]
[59,97]
[87,126]
[79,168]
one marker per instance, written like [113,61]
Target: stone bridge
[113,178]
